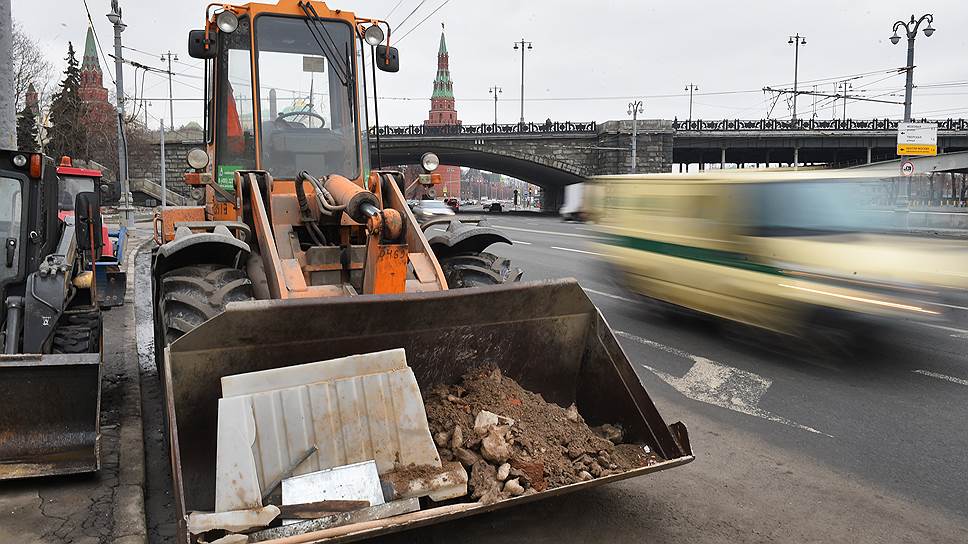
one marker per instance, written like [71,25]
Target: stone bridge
[546,154]
[555,154]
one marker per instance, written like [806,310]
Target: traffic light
[515,197]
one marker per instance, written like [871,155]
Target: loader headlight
[429,162]
[19,161]
[227,21]
[197,158]
[373,35]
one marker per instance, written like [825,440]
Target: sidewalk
[107,506]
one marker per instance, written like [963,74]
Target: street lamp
[844,86]
[691,88]
[495,90]
[115,18]
[911,29]
[635,108]
[522,43]
[796,41]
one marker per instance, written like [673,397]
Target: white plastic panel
[377,414]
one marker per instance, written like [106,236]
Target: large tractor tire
[478,269]
[191,295]
[78,332]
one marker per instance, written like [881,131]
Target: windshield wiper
[329,48]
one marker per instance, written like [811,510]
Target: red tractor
[73,180]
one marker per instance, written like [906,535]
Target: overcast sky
[590,58]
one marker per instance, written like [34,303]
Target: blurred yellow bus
[782,250]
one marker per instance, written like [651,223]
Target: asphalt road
[793,443]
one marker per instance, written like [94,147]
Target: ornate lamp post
[522,43]
[635,108]
[911,29]
[796,41]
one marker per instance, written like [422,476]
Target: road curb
[129,497]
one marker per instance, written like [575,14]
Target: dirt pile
[513,442]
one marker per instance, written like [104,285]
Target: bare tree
[29,66]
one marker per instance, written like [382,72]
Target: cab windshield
[305,75]
[10,206]
[69,187]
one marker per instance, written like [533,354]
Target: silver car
[425,210]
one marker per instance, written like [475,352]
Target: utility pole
[911,29]
[115,18]
[797,41]
[814,102]
[171,100]
[495,90]
[522,43]
[691,88]
[164,184]
[8,110]
[635,108]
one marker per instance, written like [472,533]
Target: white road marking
[577,251]
[958,332]
[718,384]
[520,242]
[945,305]
[609,295]
[952,379]
[574,235]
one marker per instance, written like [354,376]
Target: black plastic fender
[463,237]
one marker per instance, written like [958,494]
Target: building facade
[443,113]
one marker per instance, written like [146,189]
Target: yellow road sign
[917,139]
[917,149]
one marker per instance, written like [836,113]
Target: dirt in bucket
[513,442]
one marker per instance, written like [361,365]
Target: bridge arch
[546,172]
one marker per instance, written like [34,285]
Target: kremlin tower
[443,113]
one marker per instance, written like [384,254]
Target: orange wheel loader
[302,252]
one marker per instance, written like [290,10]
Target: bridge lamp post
[522,43]
[495,90]
[635,108]
[796,41]
[911,29]
[691,88]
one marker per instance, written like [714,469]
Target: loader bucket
[49,414]
[546,335]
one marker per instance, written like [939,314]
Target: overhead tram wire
[143,52]
[98,42]
[405,19]
[407,33]
[395,6]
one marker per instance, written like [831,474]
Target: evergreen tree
[27,130]
[67,131]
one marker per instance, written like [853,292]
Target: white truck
[574,208]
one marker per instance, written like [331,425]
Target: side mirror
[387,58]
[197,45]
[87,223]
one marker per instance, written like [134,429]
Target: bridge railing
[552,127]
[729,125]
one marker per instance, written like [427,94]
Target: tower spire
[90,61]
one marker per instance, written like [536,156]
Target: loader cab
[284,90]
[29,228]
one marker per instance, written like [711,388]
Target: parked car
[425,210]
[453,203]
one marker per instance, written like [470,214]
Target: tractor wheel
[477,269]
[191,295]
[78,332]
